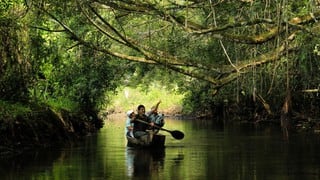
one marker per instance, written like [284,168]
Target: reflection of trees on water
[144,162]
[24,165]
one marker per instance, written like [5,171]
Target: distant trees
[264,49]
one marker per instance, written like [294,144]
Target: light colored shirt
[128,124]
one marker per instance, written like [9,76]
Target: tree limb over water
[141,31]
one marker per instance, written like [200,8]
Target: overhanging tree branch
[154,55]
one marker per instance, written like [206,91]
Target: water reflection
[233,152]
[23,166]
[144,162]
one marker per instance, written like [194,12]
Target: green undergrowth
[129,98]
[30,125]
[61,103]
[13,109]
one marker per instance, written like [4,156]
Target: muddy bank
[44,127]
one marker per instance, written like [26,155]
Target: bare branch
[48,30]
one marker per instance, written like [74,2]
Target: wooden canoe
[150,141]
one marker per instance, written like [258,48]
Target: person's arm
[155,108]
[151,123]
[128,123]
[133,118]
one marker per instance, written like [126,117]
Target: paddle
[175,133]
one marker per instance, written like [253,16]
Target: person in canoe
[129,123]
[145,130]
[140,128]
[156,118]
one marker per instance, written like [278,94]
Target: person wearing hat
[129,124]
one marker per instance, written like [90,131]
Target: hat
[129,112]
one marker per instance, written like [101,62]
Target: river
[206,152]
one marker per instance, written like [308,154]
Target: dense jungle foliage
[256,58]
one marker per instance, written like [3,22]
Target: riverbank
[42,126]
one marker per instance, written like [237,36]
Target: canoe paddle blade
[177,134]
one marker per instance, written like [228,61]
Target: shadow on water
[24,165]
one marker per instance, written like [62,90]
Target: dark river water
[206,152]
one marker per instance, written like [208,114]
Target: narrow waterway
[206,152]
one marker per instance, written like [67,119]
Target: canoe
[147,141]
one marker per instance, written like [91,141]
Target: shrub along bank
[29,126]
